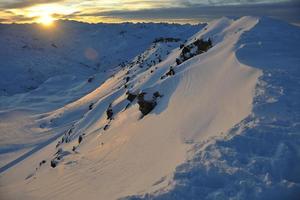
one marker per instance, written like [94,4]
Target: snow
[259,157]
[59,80]
[33,53]
[226,125]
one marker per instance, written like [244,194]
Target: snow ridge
[258,158]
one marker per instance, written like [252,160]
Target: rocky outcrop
[109,112]
[146,106]
[197,47]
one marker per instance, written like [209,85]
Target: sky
[181,11]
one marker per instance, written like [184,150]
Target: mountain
[213,115]
[33,53]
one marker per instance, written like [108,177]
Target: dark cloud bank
[289,11]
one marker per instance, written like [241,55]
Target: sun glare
[45,14]
[46,20]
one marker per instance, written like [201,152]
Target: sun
[46,20]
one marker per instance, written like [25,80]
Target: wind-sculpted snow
[258,158]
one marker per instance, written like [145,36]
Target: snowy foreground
[151,111]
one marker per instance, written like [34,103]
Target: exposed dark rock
[156,94]
[145,106]
[199,46]
[59,151]
[186,50]
[53,163]
[165,40]
[171,72]
[91,106]
[163,77]
[127,106]
[106,127]
[42,162]
[74,148]
[80,139]
[57,145]
[202,45]
[70,131]
[90,79]
[131,96]
[178,61]
[109,112]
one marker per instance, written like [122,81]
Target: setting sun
[46,20]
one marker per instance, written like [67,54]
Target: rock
[163,77]
[131,97]
[199,46]
[42,162]
[91,106]
[53,163]
[80,139]
[109,112]
[90,79]
[185,50]
[127,106]
[59,151]
[171,72]
[166,40]
[57,145]
[70,131]
[106,127]
[145,106]
[156,94]
[178,61]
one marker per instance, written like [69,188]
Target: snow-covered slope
[45,69]
[176,122]
[31,54]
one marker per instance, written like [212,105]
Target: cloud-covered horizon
[145,10]
[287,11]
[16,4]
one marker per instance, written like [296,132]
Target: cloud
[25,3]
[228,2]
[287,11]
[17,4]
[17,18]
[164,10]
